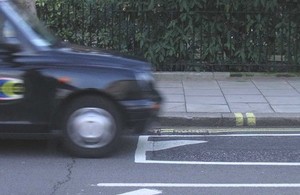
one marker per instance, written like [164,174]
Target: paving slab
[205,108]
[286,108]
[295,83]
[201,84]
[203,92]
[172,83]
[173,107]
[284,100]
[205,100]
[171,90]
[246,98]
[236,85]
[280,92]
[251,107]
[272,84]
[173,98]
[241,91]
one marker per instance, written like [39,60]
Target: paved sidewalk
[218,100]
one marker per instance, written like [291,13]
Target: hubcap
[91,127]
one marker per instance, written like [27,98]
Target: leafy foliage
[185,35]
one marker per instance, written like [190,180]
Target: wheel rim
[91,127]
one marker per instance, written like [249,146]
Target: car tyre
[91,127]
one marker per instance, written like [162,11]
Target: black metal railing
[176,40]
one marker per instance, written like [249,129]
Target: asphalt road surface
[150,165]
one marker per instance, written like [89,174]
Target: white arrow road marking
[143,191]
[144,145]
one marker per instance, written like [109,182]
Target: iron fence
[174,40]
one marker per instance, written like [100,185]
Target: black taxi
[89,96]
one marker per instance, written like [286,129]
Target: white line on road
[202,185]
[257,135]
[218,163]
[231,135]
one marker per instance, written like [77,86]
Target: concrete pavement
[220,100]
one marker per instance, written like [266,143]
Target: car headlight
[144,76]
[145,79]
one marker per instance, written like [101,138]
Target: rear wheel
[91,127]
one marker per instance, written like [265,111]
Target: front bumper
[138,113]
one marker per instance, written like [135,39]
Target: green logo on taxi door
[11,88]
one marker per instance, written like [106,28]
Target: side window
[8,35]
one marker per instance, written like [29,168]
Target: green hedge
[185,35]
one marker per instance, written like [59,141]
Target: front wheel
[91,127]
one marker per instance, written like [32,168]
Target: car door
[25,94]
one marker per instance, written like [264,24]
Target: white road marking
[257,135]
[218,163]
[202,185]
[142,191]
[198,131]
[144,145]
[230,135]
